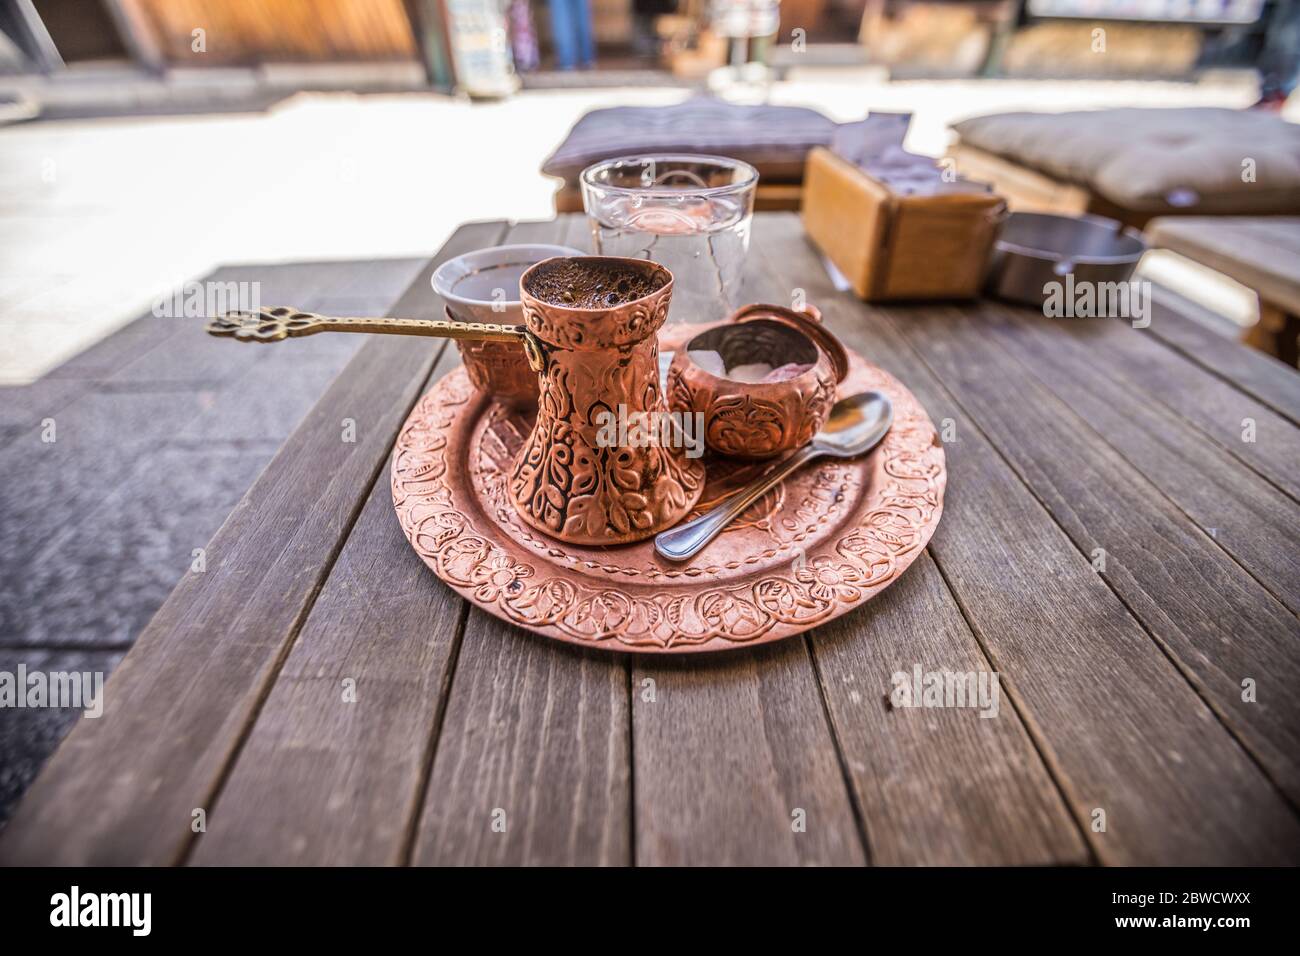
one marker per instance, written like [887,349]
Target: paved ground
[157,432]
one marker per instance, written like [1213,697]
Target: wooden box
[892,247]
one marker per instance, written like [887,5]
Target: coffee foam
[591,283]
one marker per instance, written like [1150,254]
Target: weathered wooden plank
[734,763]
[1247,429]
[496,686]
[1218,622]
[294,794]
[1244,514]
[1260,252]
[1257,374]
[332,771]
[1121,728]
[727,751]
[937,786]
[534,730]
[1131,737]
[931,786]
[531,767]
[123,788]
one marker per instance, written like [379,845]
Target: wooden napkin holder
[896,247]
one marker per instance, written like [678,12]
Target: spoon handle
[687,540]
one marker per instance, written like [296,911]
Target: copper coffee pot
[589,332]
[597,317]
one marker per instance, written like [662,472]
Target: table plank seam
[263,693]
[513,759]
[1211,370]
[1037,738]
[1051,791]
[412,829]
[631,762]
[1082,422]
[859,816]
[1179,667]
[241,791]
[1121,379]
[1188,674]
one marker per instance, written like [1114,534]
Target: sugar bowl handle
[281,322]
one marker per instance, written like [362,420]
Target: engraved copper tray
[831,537]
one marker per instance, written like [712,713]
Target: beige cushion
[1155,159]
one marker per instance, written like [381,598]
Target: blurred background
[148,141]
[145,143]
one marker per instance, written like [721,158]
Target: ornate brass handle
[280,322]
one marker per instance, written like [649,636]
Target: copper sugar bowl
[596,319]
[760,419]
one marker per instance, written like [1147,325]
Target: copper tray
[831,537]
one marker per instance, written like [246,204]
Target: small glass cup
[691,214]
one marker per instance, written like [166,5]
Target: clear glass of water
[689,213]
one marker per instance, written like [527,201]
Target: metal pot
[1036,249]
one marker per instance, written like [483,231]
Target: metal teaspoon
[855,426]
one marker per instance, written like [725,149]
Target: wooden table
[1260,252]
[1118,543]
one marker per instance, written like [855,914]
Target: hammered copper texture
[601,361]
[760,419]
[500,369]
[831,537]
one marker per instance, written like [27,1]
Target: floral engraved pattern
[444,510]
[567,484]
[742,423]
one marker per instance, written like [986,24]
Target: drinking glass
[691,214]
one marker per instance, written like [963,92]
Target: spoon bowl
[855,425]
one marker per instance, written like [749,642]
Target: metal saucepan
[1038,248]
